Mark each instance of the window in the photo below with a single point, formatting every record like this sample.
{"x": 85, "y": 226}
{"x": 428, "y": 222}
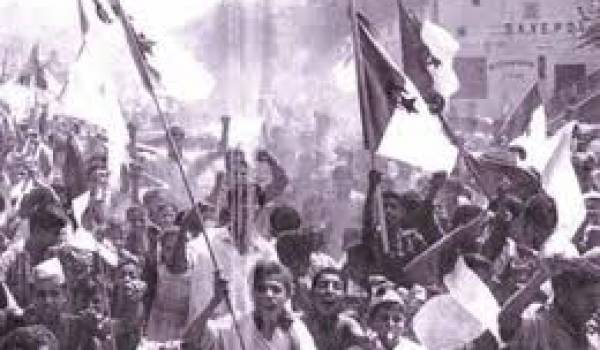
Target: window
{"x": 542, "y": 66}
{"x": 461, "y": 31}
{"x": 531, "y": 10}
{"x": 472, "y": 73}
{"x": 565, "y": 75}
{"x": 476, "y": 2}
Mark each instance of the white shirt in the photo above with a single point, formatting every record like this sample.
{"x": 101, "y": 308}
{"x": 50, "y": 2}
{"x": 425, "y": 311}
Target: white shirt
{"x": 297, "y": 338}
{"x": 234, "y": 267}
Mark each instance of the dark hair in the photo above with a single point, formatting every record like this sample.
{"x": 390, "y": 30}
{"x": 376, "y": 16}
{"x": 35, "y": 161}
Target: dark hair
{"x": 464, "y": 214}
{"x": 178, "y": 262}
{"x": 294, "y": 249}
{"x": 176, "y": 129}
{"x": 330, "y": 271}
{"x": 151, "y": 196}
{"x": 30, "y": 338}
{"x": 284, "y": 218}
{"x": 268, "y": 268}
{"x": 410, "y": 200}
{"x": 132, "y": 212}
{"x": 572, "y": 281}
{"x": 542, "y": 210}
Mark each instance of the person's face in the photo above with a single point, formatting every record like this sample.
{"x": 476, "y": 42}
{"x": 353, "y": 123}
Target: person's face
{"x": 394, "y": 212}
{"x": 169, "y": 244}
{"x": 129, "y": 273}
{"x": 270, "y": 297}
{"x": 100, "y": 177}
{"x": 97, "y": 304}
{"x": 328, "y": 293}
{"x": 137, "y": 222}
{"x": 388, "y": 322}
{"x": 49, "y": 299}
{"x": 166, "y": 215}
{"x": 33, "y": 138}
{"x": 116, "y": 236}
{"x": 152, "y": 208}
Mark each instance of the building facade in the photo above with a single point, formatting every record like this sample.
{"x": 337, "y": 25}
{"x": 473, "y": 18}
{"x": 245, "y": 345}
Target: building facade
{"x": 509, "y": 45}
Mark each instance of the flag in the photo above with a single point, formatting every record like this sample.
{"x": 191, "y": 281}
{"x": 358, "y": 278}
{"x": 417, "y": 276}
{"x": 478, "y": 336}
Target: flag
{"x": 444, "y": 48}
{"x": 532, "y": 139}
{"x": 84, "y": 23}
{"x": 73, "y": 171}
{"x": 399, "y": 119}
{"x": 92, "y": 98}
{"x": 138, "y": 47}
{"x": 101, "y": 13}
{"x": 443, "y": 324}
{"x": 560, "y": 181}
{"x": 383, "y": 85}
{"x": 516, "y": 124}
{"x": 32, "y": 73}
{"x": 427, "y": 57}
{"x": 417, "y": 137}
{"x": 465, "y": 286}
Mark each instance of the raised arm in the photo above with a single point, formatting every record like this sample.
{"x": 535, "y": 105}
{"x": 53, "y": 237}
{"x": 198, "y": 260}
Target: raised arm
{"x": 198, "y": 335}
{"x": 279, "y": 178}
{"x": 510, "y": 316}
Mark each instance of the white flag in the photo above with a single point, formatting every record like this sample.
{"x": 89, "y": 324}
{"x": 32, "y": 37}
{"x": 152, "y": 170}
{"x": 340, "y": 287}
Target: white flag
{"x": 560, "y": 181}
{"x": 418, "y": 138}
{"x": 473, "y": 295}
{"x": 444, "y": 47}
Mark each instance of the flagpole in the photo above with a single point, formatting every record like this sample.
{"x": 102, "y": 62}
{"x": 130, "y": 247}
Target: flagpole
{"x": 367, "y": 127}
{"x": 63, "y": 88}
{"x": 468, "y": 158}
{"x": 142, "y": 70}
{"x": 438, "y": 112}
{"x": 171, "y": 142}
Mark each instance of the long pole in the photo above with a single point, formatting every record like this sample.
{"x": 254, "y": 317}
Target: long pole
{"x": 465, "y": 155}
{"x": 439, "y": 114}
{"x": 142, "y": 70}
{"x": 190, "y": 195}
{"x": 363, "y": 97}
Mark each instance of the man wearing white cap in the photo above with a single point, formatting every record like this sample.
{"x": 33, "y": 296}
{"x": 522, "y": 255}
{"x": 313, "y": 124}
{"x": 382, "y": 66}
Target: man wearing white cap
{"x": 49, "y": 300}
{"x": 49, "y": 309}
{"x": 387, "y": 319}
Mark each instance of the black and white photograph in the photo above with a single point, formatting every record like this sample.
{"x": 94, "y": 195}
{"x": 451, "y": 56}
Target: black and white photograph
{"x": 300, "y": 175}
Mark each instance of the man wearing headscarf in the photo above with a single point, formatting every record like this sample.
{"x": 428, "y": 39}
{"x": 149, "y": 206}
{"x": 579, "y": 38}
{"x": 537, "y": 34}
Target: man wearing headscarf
{"x": 563, "y": 323}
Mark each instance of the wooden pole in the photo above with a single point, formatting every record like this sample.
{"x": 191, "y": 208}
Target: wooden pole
{"x": 142, "y": 70}
{"x": 363, "y": 96}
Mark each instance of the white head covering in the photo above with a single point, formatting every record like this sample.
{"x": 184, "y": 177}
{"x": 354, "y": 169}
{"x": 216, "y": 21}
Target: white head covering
{"x": 49, "y": 270}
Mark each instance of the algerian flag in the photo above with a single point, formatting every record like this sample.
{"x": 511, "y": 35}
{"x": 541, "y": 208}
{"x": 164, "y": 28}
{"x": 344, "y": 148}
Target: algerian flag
{"x": 417, "y": 137}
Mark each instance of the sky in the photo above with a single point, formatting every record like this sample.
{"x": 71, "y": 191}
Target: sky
{"x": 55, "y": 25}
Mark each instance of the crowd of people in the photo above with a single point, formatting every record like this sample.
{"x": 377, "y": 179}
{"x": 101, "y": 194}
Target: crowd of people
{"x": 311, "y": 254}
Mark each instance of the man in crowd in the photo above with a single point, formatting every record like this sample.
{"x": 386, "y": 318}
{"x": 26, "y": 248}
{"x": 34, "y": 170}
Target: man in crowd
{"x": 562, "y": 324}
{"x": 331, "y": 326}
{"x": 269, "y": 326}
